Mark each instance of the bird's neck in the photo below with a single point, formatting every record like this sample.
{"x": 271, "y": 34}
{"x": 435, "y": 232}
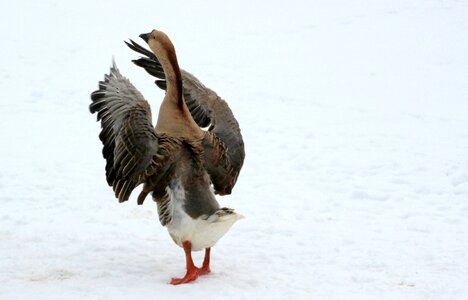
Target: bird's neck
{"x": 174, "y": 116}
{"x": 168, "y": 59}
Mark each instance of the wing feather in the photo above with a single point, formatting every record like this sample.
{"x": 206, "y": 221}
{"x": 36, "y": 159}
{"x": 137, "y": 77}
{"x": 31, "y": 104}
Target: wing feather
{"x": 128, "y": 137}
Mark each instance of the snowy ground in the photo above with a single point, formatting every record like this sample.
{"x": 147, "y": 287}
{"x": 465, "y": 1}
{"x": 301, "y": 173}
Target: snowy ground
{"x": 354, "y": 115}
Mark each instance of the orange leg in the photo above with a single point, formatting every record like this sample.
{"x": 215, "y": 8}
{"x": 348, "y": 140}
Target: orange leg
{"x": 205, "y": 269}
{"x": 192, "y": 271}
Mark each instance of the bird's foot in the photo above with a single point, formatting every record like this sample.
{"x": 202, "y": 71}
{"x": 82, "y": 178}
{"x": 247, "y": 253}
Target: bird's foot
{"x": 192, "y": 271}
{"x": 204, "y": 270}
{"x": 191, "y": 275}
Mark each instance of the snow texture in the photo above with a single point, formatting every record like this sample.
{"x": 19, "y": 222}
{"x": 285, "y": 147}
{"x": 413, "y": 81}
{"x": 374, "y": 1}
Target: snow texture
{"x": 354, "y": 115}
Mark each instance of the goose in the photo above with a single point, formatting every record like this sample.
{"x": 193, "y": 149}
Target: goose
{"x": 182, "y": 164}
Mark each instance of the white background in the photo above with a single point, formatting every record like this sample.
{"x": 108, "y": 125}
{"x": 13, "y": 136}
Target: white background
{"x": 354, "y": 115}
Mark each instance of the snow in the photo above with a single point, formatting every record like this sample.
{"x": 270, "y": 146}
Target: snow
{"x": 354, "y": 117}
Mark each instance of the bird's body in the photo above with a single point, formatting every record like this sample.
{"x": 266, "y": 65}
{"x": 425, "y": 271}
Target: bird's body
{"x": 190, "y": 205}
{"x": 180, "y": 164}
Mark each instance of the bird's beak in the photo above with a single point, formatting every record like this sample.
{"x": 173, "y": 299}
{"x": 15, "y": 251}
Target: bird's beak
{"x": 145, "y": 36}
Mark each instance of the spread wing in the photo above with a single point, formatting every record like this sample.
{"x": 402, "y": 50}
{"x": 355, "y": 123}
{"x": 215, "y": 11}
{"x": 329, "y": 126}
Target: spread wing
{"x": 223, "y": 143}
{"x": 130, "y": 142}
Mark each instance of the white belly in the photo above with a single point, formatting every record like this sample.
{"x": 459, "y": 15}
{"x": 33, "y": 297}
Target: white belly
{"x": 202, "y": 232}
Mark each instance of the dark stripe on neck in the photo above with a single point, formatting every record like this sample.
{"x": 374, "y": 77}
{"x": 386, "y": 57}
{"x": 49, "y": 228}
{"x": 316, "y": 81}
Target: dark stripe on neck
{"x": 178, "y": 76}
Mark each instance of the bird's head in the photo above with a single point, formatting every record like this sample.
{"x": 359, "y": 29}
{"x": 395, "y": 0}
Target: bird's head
{"x": 159, "y": 42}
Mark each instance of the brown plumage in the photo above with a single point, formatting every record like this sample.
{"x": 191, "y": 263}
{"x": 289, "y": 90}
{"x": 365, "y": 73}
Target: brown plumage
{"x": 207, "y": 109}
{"x": 177, "y": 161}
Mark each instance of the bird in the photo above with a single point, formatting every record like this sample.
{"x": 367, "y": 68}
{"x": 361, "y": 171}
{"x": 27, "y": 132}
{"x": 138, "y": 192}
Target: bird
{"x": 194, "y": 152}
